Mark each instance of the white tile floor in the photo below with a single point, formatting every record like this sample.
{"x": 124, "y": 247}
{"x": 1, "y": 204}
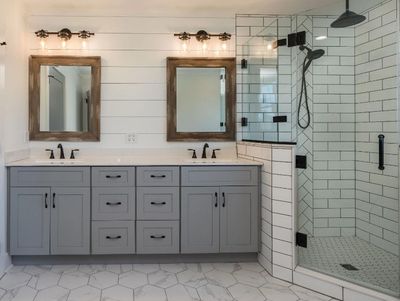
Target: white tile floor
{"x": 149, "y": 282}
{"x": 377, "y": 268}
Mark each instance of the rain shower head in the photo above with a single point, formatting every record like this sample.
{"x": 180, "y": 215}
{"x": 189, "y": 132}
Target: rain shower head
{"x": 348, "y": 18}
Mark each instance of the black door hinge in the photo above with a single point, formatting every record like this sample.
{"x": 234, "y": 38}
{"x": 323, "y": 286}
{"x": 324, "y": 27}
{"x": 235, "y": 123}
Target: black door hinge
{"x": 301, "y": 240}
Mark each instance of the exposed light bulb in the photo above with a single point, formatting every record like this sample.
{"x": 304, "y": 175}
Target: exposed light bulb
{"x": 269, "y": 46}
{"x": 204, "y": 46}
{"x": 84, "y": 44}
{"x": 63, "y": 44}
{"x": 224, "y": 46}
{"x": 184, "y": 45}
{"x": 42, "y": 44}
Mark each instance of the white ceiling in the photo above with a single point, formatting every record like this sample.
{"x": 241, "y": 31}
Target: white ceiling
{"x": 174, "y": 7}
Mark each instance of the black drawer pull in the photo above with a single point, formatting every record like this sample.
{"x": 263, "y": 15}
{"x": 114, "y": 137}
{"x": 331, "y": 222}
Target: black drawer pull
{"x": 54, "y": 200}
{"x": 158, "y": 176}
{"x": 381, "y": 152}
{"x": 114, "y": 237}
{"x": 216, "y": 200}
{"x": 158, "y": 203}
{"x": 157, "y": 236}
{"x": 114, "y": 177}
{"x": 45, "y": 201}
{"x": 114, "y": 204}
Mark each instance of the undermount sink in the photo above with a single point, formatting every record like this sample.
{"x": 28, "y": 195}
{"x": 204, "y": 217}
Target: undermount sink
{"x": 210, "y": 161}
{"x": 58, "y": 161}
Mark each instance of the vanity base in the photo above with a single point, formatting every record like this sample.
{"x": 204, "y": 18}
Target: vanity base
{"x": 129, "y": 259}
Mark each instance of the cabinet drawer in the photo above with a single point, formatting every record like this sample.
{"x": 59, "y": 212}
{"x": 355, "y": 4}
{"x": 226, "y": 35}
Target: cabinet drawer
{"x": 113, "y": 176}
{"x": 158, "y": 176}
{"x": 220, "y": 176}
{"x": 50, "y": 176}
{"x": 158, "y": 203}
{"x": 157, "y": 237}
{"x": 113, "y": 237}
{"x": 113, "y": 203}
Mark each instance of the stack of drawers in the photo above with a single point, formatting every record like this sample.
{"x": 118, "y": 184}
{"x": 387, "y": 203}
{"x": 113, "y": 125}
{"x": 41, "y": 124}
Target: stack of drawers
{"x": 113, "y": 210}
{"x": 158, "y": 210}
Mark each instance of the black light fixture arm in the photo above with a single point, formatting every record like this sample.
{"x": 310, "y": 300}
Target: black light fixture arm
{"x": 3, "y": 43}
{"x": 203, "y": 35}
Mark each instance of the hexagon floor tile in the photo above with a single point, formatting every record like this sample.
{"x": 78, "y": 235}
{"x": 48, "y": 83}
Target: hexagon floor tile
{"x": 149, "y": 282}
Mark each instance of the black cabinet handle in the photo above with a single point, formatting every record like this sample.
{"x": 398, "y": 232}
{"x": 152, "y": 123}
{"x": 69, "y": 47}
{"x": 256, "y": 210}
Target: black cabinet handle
{"x": 54, "y": 200}
{"x": 114, "y": 237}
{"x": 157, "y": 236}
{"x": 158, "y": 177}
{"x": 223, "y": 199}
{"x": 113, "y": 177}
{"x": 45, "y": 201}
{"x": 381, "y": 152}
{"x": 158, "y": 203}
{"x": 216, "y": 200}
{"x": 113, "y": 204}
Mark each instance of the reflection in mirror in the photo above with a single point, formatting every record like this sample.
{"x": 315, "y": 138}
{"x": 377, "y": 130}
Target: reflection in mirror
{"x": 65, "y": 98}
{"x": 200, "y": 103}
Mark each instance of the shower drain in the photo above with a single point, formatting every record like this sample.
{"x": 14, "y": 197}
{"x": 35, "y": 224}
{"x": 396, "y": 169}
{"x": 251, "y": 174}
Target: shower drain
{"x": 349, "y": 267}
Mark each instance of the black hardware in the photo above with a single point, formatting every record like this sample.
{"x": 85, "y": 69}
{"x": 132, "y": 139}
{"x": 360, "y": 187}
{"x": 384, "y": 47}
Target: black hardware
{"x": 45, "y": 201}
{"x": 114, "y": 204}
{"x": 381, "y": 152}
{"x": 194, "y": 156}
{"x": 301, "y": 162}
{"x": 349, "y": 267}
{"x": 3, "y": 43}
{"x": 158, "y": 176}
{"x": 301, "y": 240}
{"x": 223, "y": 199}
{"x": 244, "y": 121}
{"x": 243, "y": 64}
{"x": 278, "y": 43}
{"x": 213, "y": 156}
{"x": 157, "y": 236}
{"x": 73, "y": 153}
{"x": 278, "y": 119}
{"x": 51, "y": 153}
{"x": 296, "y": 39}
{"x": 158, "y": 203}
{"x": 216, "y": 200}
{"x": 62, "y": 156}
{"x": 221, "y": 124}
{"x": 204, "y": 154}
{"x": 54, "y": 200}
{"x": 114, "y": 237}
{"x": 113, "y": 177}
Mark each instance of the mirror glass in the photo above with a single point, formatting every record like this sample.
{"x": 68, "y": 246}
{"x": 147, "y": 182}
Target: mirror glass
{"x": 65, "y": 97}
{"x": 200, "y": 99}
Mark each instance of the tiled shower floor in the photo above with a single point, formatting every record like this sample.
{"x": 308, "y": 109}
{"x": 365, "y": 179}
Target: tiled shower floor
{"x": 376, "y": 266}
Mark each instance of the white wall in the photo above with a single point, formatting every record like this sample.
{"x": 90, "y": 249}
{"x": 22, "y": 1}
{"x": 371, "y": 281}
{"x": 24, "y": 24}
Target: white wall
{"x": 13, "y": 101}
{"x": 134, "y": 52}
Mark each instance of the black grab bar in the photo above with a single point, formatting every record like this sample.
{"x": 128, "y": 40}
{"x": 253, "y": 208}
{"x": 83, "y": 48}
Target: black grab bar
{"x": 381, "y": 151}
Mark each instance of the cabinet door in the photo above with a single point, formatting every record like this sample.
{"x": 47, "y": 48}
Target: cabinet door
{"x": 239, "y": 219}
{"x": 70, "y": 221}
{"x": 200, "y": 220}
{"x": 29, "y": 221}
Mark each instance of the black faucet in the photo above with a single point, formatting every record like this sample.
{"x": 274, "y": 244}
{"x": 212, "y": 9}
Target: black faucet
{"x": 62, "y": 156}
{"x": 204, "y": 154}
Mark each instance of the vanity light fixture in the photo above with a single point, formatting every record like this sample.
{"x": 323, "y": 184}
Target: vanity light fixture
{"x": 65, "y": 35}
{"x": 203, "y": 37}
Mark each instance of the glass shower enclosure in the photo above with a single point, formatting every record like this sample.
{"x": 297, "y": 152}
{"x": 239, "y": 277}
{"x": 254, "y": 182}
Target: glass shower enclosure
{"x": 348, "y": 194}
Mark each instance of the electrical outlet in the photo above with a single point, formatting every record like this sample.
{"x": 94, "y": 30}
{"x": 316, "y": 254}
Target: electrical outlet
{"x": 131, "y": 138}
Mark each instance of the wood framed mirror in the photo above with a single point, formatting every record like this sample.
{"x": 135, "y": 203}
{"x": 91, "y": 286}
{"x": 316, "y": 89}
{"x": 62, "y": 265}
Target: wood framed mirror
{"x": 64, "y": 98}
{"x": 201, "y": 99}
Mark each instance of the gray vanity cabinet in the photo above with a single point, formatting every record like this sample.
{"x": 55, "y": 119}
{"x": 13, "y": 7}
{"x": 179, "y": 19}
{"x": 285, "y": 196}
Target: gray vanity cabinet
{"x": 70, "y": 221}
{"x": 49, "y": 210}
{"x": 30, "y": 221}
{"x": 199, "y": 220}
{"x": 222, "y": 216}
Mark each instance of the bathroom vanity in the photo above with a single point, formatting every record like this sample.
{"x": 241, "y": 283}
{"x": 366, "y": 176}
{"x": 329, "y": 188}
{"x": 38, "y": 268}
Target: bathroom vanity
{"x": 164, "y": 209}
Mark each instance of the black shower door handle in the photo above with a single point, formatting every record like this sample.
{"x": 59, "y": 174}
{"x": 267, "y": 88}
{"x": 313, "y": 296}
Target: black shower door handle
{"x": 381, "y": 152}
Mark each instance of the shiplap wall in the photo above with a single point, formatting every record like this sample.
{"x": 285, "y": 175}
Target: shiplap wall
{"x": 134, "y": 52}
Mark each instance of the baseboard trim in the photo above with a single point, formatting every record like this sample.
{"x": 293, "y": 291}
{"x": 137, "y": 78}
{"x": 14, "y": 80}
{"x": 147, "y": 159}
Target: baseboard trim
{"x": 127, "y": 259}
{"x": 5, "y": 263}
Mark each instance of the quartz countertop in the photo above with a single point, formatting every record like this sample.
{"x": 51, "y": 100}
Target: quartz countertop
{"x": 130, "y": 161}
